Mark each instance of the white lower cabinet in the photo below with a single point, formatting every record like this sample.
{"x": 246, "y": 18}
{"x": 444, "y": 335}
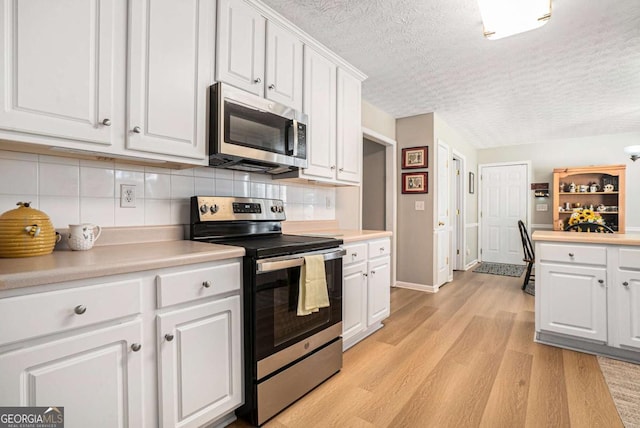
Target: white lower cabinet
{"x": 366, "y": 289}
{"x": 147, "y": 349}
{"x": 200, "y": 362}
{"x": 96, "y": 376}
{"x": 588, "y": 298}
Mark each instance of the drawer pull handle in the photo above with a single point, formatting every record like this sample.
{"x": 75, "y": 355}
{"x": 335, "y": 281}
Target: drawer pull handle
{"x": 80, "y": 309}
{"x": 135, "y": 347}
{"x": 570, "y": 254}
{"x": 381, "y": 249}
{"x": 601, "y": 281}
{"x": 206, "y": 284}
{"x": 354, "y": 254}
{"x": 168, "y": 337}
{"x": 626, "y": 284}
{"x": 373, "y": 272}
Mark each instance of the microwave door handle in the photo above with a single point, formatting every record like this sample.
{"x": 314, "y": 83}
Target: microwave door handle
{"x": 279, "y": 263}
{"x": 294, "y": 123}
{"x": 293, "y": 135}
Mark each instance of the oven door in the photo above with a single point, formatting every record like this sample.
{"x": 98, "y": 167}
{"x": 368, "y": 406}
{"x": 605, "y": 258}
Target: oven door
{"x": 276, "y": 299}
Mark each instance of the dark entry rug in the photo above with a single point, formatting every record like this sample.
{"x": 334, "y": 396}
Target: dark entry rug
{"x": 504, "y": 269}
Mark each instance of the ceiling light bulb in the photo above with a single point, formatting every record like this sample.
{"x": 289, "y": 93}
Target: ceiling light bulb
{"x": 502, "y": 18}
{"x": 633, "y": 152}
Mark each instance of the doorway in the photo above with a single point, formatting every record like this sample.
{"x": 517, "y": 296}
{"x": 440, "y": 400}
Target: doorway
{"x": 458, "y": 209}
{"x": 503, "y": 201}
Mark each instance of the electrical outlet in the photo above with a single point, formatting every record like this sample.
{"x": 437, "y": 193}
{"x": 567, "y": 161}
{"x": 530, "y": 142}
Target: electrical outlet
{"x": 127, "y": 195}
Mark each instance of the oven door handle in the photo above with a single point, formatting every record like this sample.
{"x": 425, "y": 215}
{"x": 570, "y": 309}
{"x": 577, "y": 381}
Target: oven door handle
{"x": 279, "y": 263}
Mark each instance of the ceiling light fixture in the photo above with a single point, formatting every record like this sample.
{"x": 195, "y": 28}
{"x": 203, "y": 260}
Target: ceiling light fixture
{"x": 502, "y": 18}
{"x": 633, "y": 152}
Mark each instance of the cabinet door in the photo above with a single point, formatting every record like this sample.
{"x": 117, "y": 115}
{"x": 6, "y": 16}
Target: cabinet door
{"x": 241, "y": 46}
{"x": 379, "y": 290}
{"x": 283, "y": 67}
{"x": 320, "y": 105}
{"x": 354, "y": 300}
{"x": 574, "y": 300}
{"x": 96, "y": 377}
{"x": 57, "y": 71}
{"x": 627, "y": 291}
{"x": 349, "y": 128}
{"x": 170, "y": 68}
{"x": 200, "y": 363}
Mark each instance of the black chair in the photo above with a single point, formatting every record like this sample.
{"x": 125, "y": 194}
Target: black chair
{"x": 529, "y": 254}
{"x": 589, "y": 227}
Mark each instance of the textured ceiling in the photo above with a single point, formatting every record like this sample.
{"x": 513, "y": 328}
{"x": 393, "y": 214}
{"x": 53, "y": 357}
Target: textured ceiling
{"x": 578, "y": 75}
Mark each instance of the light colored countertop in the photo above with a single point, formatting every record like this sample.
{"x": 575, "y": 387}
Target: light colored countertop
{"x": 348, "y": 236}
{"x": 587, "y": 238}
{"x": 67, "y": 265}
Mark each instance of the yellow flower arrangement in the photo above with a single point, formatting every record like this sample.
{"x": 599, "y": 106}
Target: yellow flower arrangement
{"x": 585, "y": 216}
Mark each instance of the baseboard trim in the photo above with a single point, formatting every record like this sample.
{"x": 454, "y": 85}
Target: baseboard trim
{"x": 417, "y": 287}
{"x": 587, "y": 346}
{"x": 471, "y": 264}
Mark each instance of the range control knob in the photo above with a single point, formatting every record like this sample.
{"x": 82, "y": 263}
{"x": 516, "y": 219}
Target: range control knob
{"x": 214, "y": 209}
{"x": 274, "y": 209}
{"x": 204, "y": 208}
{"x": 280, "y": 209}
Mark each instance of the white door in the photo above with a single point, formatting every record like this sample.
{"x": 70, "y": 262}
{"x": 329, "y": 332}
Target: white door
{"x": 349, "y": 128}
{"x": 57, "y": 69}
{"x": 241, "y": 46}
{"x": 457, "y": 227}
{"x": 320, "y": 105}
{"x": 200, "y": 358}
{"x": 95, "y": 376}
{"x": 379, "y": 289}
{"x": 442, "y": 229}
{"x": 170, "y": 72}
{"x": 503, "y": 201}
{"x": 574, "y": 300}
{"x": 283, "y": 67}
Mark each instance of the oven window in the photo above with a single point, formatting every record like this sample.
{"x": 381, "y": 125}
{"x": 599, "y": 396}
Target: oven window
{"x": 277, "y": 322}
{"x": 256, "y": 129}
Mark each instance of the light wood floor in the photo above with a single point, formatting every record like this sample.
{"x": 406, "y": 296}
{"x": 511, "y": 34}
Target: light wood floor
{"x": 463, "y": 357}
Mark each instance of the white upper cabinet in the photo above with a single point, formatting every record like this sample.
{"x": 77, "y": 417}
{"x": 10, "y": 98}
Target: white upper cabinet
{"x": 170, "y": 68}
{"x": 258, "y": 55}
{"x": 57, "y": 72}
{"x": 241, "y": 46}
{"x": 349, "y": 127}
{"x": 320, "y": 105}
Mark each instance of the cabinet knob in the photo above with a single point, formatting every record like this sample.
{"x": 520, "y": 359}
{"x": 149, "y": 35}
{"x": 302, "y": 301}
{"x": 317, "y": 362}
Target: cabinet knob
{"x": 206, "y": 284}
{"x": 382, "y": 249}
{"x": 257, "y": 80}
{"x": 601, "y": 281}
{"x": 571, "y": 254}
{"x": 440, "y": 223}
{"x": 106, "y": 122}
{"x": 168, "y": 337}
{"x": 272, "y": 86}
{"x": 354, "y": 255}
{"x": 626, "y": 284}
{"x": 135, "y": 347}
{"x": 136, "y": 130}
{"x": 333, "y": 167}
{"x": 341, "y": 169}
{"x": 373, "y": 272}
{"x": 365, "y": 274}
{"x": 80, "y": 309}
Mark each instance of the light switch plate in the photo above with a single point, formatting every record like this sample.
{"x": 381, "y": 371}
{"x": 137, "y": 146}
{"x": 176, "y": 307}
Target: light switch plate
{"x": 419, "y": 206}
{"x": 542, "y": 207}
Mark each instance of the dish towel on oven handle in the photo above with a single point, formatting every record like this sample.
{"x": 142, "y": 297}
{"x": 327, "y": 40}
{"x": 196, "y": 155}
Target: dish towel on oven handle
{"x": 313, "y": 293}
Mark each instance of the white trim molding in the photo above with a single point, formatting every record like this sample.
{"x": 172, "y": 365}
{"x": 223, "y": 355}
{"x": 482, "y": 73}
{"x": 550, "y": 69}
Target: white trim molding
{"x": 417, "y": 287}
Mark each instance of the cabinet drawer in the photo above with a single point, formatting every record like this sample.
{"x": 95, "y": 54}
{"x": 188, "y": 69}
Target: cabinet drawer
{"x": 195, "y": 284}
{"x": 629, "y": 258}
{"x": 562, "y": 253}
{"x": 379, "y": 248}
{"x": 355, "y": 253}
{"x": 56, "y": 311}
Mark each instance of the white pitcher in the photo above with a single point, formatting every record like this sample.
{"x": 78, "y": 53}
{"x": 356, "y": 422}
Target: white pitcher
{"x": 82, "y": 236}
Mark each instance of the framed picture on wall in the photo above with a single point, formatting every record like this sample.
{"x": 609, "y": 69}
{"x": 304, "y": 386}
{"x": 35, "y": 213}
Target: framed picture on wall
{"x": 415, "y": 157}
{"x": 414, "y": 182}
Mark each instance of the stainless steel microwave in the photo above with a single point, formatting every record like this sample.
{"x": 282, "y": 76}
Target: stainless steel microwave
{"x": 251, "y": 133}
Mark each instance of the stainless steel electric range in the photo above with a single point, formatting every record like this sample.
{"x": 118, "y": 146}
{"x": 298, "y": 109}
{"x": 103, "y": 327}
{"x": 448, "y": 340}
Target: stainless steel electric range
{"x": 285, "y": 355}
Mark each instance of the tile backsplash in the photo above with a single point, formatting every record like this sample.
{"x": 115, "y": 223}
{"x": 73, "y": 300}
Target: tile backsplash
{"x": 74, "y": 191}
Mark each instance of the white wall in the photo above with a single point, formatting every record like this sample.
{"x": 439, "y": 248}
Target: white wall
{"x": 598, "y": 150}
{"x": 74, "y": 191}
